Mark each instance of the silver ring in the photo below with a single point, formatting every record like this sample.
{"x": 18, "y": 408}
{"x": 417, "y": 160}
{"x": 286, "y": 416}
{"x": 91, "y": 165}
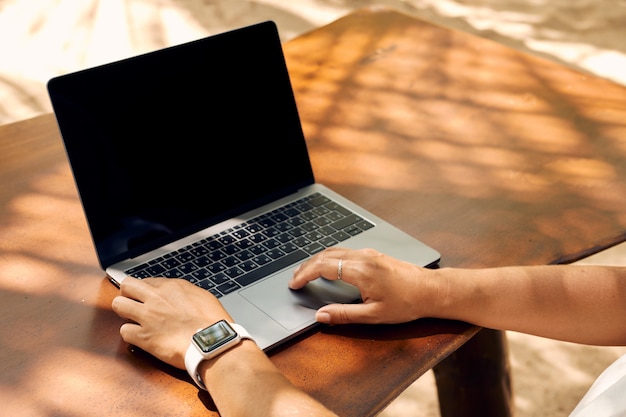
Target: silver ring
{"x": 339, "y": 269}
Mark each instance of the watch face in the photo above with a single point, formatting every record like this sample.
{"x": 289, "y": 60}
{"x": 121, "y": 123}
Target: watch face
{"x": 215, "y": 336}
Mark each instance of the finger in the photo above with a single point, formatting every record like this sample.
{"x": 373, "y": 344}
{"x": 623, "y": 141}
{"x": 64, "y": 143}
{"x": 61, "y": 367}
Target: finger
{"x": 126, "y": 308}
{"x": 133, "y": 288}
{"x": 129, "y": 333}
{"x": 346, "y": 314}
{"x": 327, "y": 264}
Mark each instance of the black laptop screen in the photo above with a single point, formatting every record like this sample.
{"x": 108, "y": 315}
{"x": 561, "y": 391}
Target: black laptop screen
{"x": 170, "y": 142}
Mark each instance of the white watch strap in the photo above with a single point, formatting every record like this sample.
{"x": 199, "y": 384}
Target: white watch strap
{"x": 243, "y": 333}
{"x": 193, "y": 356}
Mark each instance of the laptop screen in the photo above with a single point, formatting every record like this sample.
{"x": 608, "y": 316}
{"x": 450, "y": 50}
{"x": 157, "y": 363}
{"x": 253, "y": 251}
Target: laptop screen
{"x": 167, "y": 143}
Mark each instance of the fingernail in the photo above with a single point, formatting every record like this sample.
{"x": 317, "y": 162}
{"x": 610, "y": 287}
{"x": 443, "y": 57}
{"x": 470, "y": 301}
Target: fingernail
{"x": 322, "y": 317}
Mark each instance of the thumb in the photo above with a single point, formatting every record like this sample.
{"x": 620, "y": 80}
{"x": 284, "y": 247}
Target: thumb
{"x": 342, "y": 314}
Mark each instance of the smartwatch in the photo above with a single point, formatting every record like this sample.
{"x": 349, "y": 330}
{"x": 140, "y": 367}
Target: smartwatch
{"x": 210, "y": 342}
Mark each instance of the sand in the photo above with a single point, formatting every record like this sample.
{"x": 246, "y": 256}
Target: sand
{"x": 44, "y": 38}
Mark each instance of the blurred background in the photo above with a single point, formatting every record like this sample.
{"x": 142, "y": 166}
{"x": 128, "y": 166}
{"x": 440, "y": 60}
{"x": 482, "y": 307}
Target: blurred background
{"x": 44, "y": 38}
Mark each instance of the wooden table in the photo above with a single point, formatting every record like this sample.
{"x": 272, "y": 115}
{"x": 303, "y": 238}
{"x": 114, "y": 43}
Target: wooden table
{"x": 491, "y": 156}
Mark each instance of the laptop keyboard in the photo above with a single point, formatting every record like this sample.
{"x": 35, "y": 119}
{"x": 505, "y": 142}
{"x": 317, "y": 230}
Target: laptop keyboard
{"x": 254, "y": 249}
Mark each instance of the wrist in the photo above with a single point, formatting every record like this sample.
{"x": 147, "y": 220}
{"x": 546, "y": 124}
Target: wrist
{"x": 460, "y": 295}
{"x": 441, "y": 303}
{"x": 210, "y": 343}
{"x": 229, "y": 361}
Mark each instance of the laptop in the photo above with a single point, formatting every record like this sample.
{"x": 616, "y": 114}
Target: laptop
{"x": 191, "y": 163}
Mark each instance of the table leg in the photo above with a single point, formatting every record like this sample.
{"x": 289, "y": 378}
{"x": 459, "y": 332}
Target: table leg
{"x": 475, "y": 380}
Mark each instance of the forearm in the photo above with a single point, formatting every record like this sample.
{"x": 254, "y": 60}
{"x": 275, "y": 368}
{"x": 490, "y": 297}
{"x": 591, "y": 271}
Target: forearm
{"x": 244, "y": 382}
{"x": 581, "y": 304}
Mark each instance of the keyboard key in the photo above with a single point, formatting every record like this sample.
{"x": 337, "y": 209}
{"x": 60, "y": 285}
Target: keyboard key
{"x": 234, "y": 272}
{"x": 206, "y": 284}
{"x": 328, "y": 242}
{"x": 258, "y": 238}
{"x": 244, "y": 244}
{"x": 284, "y": 237}
{"x": 364, "y": 225}
{"x": 310, "y": 216}
{"x": 247, "y": 266}
{"x": 296, "y": 221}
{"x": 275, "y": 253}
{"x": 173, "y": 273}
{"x": 336, "y": 207}
{"x": 261, "y": 259}
{"x": 271, "y": 244}
{"x": 291, "y": 212}
{"x": 170, "y": 263}
{"x": 184, "y": 257}
{"x": 187, "y": 268}
{"x": 140, "y": 274}
{"x": 321, "y": 211}
{"x": 326, "y": 230}
{"x": 352, "y": 230}
{"x": 240, "y": 234}
{"x": 313, "y": 248}
{"x": 280, "y": 217}
{"x": 202, "y": 261}
{"x": 212, "y": 244}
{"x": 259, "y": 249}
{"x": 346, "y": 221}
{"x": 301, "y": 241}
{"x": 271, "y": 267}
{"x": 309, "y": 227}
{"x": 231, "y": 249}
{"x": 244, "y": 255}
{"x": 297, "y": 232}
{"x": 267, "y": 222}
{"x": 201, "y": 274}
{"x": 319, "y": 200}
{"x": 228, "y": 287}
{"x": 199, "y": 251}
{"x": 313, "y": 236}
{"x": 216, "y": 267}
{"x": 155, "y": 270}
{"x": 288, "y": 247}
{"x": 340, "y": 236}
{"x": 271, "y": 232}
{"x": 283, "y": 227}
{"x": 219, "y": 279}
{"x": 334, "y": 216}
{"x": 217, "y": 255}
{"x": 226, "y": 240}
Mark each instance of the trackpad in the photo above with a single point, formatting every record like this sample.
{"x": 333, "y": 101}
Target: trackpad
{"x": 295, "y": 308}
